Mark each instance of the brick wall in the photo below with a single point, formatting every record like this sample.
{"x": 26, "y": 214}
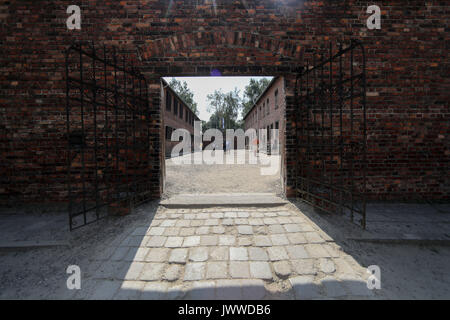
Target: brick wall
{"x": 407, "y": 74}
{"x": 174, "y": 121}
{"x": 265, "y": 113}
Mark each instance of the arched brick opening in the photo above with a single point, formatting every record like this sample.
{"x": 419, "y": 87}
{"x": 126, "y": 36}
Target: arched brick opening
{"x": 232, "y": 53}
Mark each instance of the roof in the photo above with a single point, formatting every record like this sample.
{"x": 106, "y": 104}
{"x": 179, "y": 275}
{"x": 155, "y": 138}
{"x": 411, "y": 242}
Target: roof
{"x": 166, "y": 85}
{"x": 260, "y": 96}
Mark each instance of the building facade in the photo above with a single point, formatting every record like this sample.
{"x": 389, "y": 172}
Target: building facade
{"x": 176, "y": 115}
{"x": 408, "y": 119}
{"x": 268, "y": 113}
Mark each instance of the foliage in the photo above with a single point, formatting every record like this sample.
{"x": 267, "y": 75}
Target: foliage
{"x": 252, "y": 91}
{"x": 181, "y": 88}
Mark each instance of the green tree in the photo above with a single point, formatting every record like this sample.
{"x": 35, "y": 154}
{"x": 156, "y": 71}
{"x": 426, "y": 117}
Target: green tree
{"x": 181, "y": 88}
{"x": 252, "y": 91}
{"x": 225, "y": 109}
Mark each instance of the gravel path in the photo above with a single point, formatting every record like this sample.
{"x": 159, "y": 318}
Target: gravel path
{"x": 219, "y": 178}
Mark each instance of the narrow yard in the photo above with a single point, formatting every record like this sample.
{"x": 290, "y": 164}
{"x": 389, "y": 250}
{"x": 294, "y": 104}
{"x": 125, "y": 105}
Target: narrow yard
{"x": 219, "y": 178}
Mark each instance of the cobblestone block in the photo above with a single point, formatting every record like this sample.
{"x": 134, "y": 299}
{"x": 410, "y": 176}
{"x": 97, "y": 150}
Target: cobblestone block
{"x": 296, "y": 238}
{"x": 260, "y": 270}
{"x": 216, "y": 270}
{"x": 191, "y": 241}
{"x": 156, "y": 241}
{"x": 304, "y": 267}
{"x": 209, "y": 240}
{"x": 239, "y": 269}
{"x": 282, "y": 269}
{"x": 172, "y": 272}
{"x": 276, "y": 228}
{"x": 313, "y": 237}
{"x": 257, "y": 254}
{"x": 317, "y": 251}
{"x": 297, "y": 252}
{"x": 279, "y": 239}
{"x": 174, "y": 242}
{"x": 238, "y": 253}
{"x": 185, "y": 232}
{"x": 277, "y": 253}
{"x": 157, "y": 255}
{"x": 198, "y": 254}
{"x": 218, "y": 253}
{"x": 172, "y": 231}
{"x": 168, "y": 223}
{"x": 156, "y": 231}
{"x": 218, "y": 230}
{"x": 327, "y": 265}
{"x": 152, "y": 271}
{"x": 244, "y": 241}
{"x": 262, "y": 241}
{"x": 194, "y": 271}
{"x": 227, "y": 240}
{"x": 245, "y": 230}
{"x": 178, "y": 255}
{"x": 292, "y": 227}
{"x": 211, "y": 222}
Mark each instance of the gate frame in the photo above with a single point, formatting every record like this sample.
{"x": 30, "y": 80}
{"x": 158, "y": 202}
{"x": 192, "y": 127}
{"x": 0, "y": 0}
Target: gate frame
{"x": 303, "y": 181}
{"x": 79, "y": 144}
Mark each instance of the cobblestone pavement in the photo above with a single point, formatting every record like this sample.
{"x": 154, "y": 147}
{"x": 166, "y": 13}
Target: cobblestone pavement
{"x": 225, "y": 253}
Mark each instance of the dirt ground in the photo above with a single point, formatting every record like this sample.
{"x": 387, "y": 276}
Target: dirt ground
{"x": 219, "y": 178}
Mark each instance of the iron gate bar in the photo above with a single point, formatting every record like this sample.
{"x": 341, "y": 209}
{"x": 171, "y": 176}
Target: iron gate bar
{"x": 316, "y": 183}
{"x": 98, "y": 139}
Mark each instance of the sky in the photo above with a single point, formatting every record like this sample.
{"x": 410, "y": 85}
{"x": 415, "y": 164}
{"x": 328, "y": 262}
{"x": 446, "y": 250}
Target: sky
{"x": 202, "y": 86}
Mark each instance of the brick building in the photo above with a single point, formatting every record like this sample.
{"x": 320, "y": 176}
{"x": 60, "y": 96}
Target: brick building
{"x": 408, "y": 119}
{"x": 176, "y": 115}
{"x": 268, "y": 113}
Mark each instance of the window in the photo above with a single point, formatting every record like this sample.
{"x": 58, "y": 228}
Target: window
{"x": 276, "y": 99}
{"x": 186, "y": 118}
{"x": 259, "y": 112}
{"x": 168, "y": 132}
{"x": 268, "y": 106}
{"x": 277, "y": 125}
{"x": 168, "y": 101}
{"x": 264, "y": 110}
{"x": 175, "y": 106}
{"x": 181, "y": 111}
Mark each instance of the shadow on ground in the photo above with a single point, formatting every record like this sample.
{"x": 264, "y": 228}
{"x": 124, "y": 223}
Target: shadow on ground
{"x": 411, "y": 267}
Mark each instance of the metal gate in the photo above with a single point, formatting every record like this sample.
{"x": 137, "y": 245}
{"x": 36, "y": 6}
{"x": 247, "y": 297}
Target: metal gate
{"x": 331, "y": 131}
{"x": 107, "y": 114}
